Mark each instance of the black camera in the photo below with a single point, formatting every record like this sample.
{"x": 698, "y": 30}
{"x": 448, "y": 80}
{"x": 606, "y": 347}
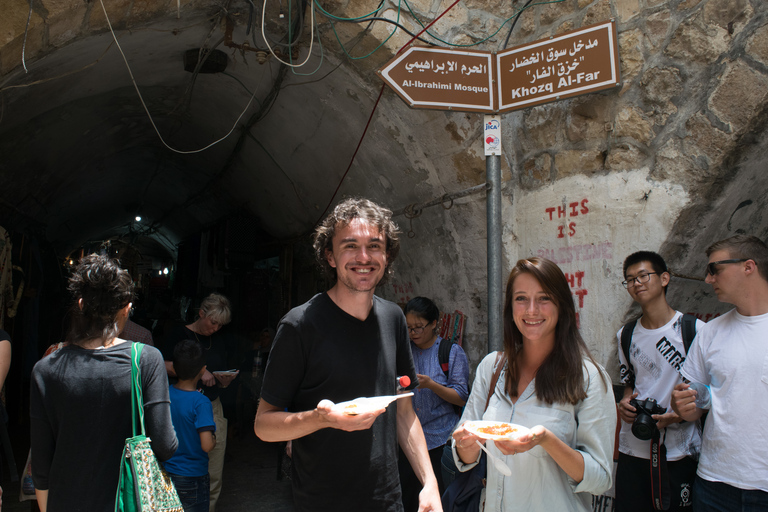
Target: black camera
{"x": 644, "y": 425}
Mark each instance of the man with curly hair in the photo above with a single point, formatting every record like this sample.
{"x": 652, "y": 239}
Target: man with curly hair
{"x": 340, "y": 345}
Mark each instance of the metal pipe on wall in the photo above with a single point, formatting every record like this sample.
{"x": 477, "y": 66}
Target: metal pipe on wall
{"x": 493, "y": 209}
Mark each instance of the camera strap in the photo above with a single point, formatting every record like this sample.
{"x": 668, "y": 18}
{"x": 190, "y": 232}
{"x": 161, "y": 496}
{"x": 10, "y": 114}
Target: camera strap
{"x": 659, "y": 473}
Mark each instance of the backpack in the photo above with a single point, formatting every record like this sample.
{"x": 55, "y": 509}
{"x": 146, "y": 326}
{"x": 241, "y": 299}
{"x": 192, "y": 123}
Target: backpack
{"x": 443, "y": 358}
{"x": 688, "y": 332}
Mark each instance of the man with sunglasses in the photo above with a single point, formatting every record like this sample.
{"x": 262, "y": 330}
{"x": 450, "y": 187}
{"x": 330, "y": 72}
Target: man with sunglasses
{"x": 656, "y": 350}
{"x": 730, "y": 355}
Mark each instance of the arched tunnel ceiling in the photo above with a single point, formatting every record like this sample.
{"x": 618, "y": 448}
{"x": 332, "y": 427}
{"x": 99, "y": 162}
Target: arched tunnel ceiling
{"x": 80, "y": 157}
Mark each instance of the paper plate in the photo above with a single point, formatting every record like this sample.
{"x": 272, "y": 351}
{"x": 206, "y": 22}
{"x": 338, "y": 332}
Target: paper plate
{"x": 367, "y": 404}
{"x": 495, "y": 430}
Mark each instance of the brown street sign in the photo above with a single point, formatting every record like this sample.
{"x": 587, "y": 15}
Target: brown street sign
{"x": 577, "y": 62}
{"x": 443, "y": 79}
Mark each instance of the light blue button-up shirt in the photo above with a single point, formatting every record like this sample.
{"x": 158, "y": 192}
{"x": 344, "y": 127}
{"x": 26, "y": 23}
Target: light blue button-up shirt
{"x": 537, "y": 482}
{"x": 438, "y": 417}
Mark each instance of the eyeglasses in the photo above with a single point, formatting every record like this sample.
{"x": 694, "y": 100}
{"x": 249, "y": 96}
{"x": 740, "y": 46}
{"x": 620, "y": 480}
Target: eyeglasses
{"x": 417, "y": 330}
{"x": 712, "y": 269}
{"x": 642, "y": 278}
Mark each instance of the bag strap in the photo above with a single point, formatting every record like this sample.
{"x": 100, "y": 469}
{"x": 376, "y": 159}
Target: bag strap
{"x": 444, "y": 355}
{"x": 688, "y": 330}
{"x": 626, "y": 341}
{"x": 501, "y": 358}
{"x": 137, "y": 397}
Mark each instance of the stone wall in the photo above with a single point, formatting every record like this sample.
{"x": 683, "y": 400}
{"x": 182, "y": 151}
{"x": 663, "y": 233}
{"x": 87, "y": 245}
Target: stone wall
{"x": 670, "y": 160}
{"x": 597, "y": 177}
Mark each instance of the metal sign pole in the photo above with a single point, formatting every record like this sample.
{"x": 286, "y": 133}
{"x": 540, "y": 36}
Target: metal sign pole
{"x": 492, "y": 141}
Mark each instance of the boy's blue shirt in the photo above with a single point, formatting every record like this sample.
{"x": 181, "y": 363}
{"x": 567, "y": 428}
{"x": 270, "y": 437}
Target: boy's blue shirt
{"x": 191, "y": 413}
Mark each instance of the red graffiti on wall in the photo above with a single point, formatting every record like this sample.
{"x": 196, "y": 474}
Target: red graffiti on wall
{"x": 403, "y": 290}
{"x": 578, "y": 289}
{"x": 567, "y": 211}
{"x": 705, "y": 317}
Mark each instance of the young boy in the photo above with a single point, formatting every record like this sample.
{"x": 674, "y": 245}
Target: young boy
{"x": 192, "y": 416}
{"x": 656, "y": 353}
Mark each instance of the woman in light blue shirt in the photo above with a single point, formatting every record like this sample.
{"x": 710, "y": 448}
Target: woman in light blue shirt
{"x": 552, "y": 385}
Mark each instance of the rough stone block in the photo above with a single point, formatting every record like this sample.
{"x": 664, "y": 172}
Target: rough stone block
{"x": 458, "y": 16}
{"x": 11, "y": 50}
{"x": 757, "y": 45}
{"x": 14, "y": 20}
{"x": 146, "y": 9}
{"x": 66, "y": 26}
{"x": 687, "y": 4}
{"x": 565, "y": 27}
{"x": 631, "y": 54}
{"x": 661, "y": 85}
{"x": 630, "y": 122}
{"x": 695, "y": 42}
{"x": 704, "y": 139}
{"x": 550, "y": 13}
{"x": 598, "y": 12}
{"x": 568, "y": 163}
{"x": 626, "y": 9}
{"x": 729, "y": 14}
{"x": 117, "y": 10}
{"x": 583, "y": 3}
{"x": 656, "y": 27}
{"x": 741, "y": 93}
{"x": 537, "y": 170}
{"x": 624, "y": 157}
{"x": 542, "y": 125}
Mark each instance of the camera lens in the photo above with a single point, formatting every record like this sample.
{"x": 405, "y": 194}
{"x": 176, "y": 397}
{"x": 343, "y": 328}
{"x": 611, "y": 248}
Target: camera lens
{"x": 644, "y": 427}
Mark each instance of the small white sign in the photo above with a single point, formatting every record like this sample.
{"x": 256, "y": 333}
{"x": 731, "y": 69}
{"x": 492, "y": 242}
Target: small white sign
{"x": 492, "y": 135}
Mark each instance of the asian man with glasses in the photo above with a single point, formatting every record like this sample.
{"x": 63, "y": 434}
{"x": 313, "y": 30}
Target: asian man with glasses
{"x": 650, "y": 355}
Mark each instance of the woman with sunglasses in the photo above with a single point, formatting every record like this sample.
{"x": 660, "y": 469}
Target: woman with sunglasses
{"x": 438, "y": 395}
{"x": 550, "y": 384}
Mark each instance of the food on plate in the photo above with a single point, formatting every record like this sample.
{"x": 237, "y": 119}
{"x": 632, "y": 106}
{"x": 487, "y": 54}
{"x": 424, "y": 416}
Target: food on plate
{"x": 501, "y": 429}
{"x": 495, "y": 430}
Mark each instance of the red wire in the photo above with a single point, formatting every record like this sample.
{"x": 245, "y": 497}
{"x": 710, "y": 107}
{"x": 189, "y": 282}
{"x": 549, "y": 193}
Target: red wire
{"x": 375, "y": 105}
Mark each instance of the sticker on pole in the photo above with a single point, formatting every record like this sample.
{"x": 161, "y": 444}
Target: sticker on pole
{"x": 492, "y": 135}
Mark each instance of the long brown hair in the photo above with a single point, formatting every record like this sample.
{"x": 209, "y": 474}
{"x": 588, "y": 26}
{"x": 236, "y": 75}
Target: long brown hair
{"x": 560, "y": 378}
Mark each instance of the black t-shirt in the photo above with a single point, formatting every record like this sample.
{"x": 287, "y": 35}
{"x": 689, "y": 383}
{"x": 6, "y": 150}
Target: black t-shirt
{"x": 214, "y": 349}
{"x": 321, "y": 352}
{"x": 80, "y": 411}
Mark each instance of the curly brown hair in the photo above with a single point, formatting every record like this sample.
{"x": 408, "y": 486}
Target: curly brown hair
{"x": 341, "y": 216}
{"x": 100, "y": 289}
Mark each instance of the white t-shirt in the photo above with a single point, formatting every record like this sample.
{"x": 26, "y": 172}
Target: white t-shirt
{"x": 656, "y": 356}
{"x": 731, "y": 355}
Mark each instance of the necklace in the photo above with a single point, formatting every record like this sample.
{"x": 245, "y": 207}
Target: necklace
{"x": 210, "y": 340}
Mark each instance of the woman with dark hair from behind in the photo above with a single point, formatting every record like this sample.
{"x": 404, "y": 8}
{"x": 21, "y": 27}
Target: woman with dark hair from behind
{"x": 436, "y": 395}
{"x": 80, "y": 398}
{"x": 550, "y": 384}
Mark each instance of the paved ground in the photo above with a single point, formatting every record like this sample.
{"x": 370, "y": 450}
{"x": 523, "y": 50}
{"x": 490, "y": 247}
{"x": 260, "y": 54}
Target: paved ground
{"x": 250, "y": 480}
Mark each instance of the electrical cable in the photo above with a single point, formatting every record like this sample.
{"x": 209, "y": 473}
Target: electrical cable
{"x": 293, "y": 41}
{"x": 373, "y": 111}
{"x": 512, "y": 27}
{"x": 482, "y": 40}
{"x": 311, "y": 40}
{"x": 322, "y": 57}
{"x": 24, "y": 44}
{"x": 337, "y": 18}
{"x": 398, "y": 25}
{"x": 146, "y": 109}
{"x": 375, "y": 49}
